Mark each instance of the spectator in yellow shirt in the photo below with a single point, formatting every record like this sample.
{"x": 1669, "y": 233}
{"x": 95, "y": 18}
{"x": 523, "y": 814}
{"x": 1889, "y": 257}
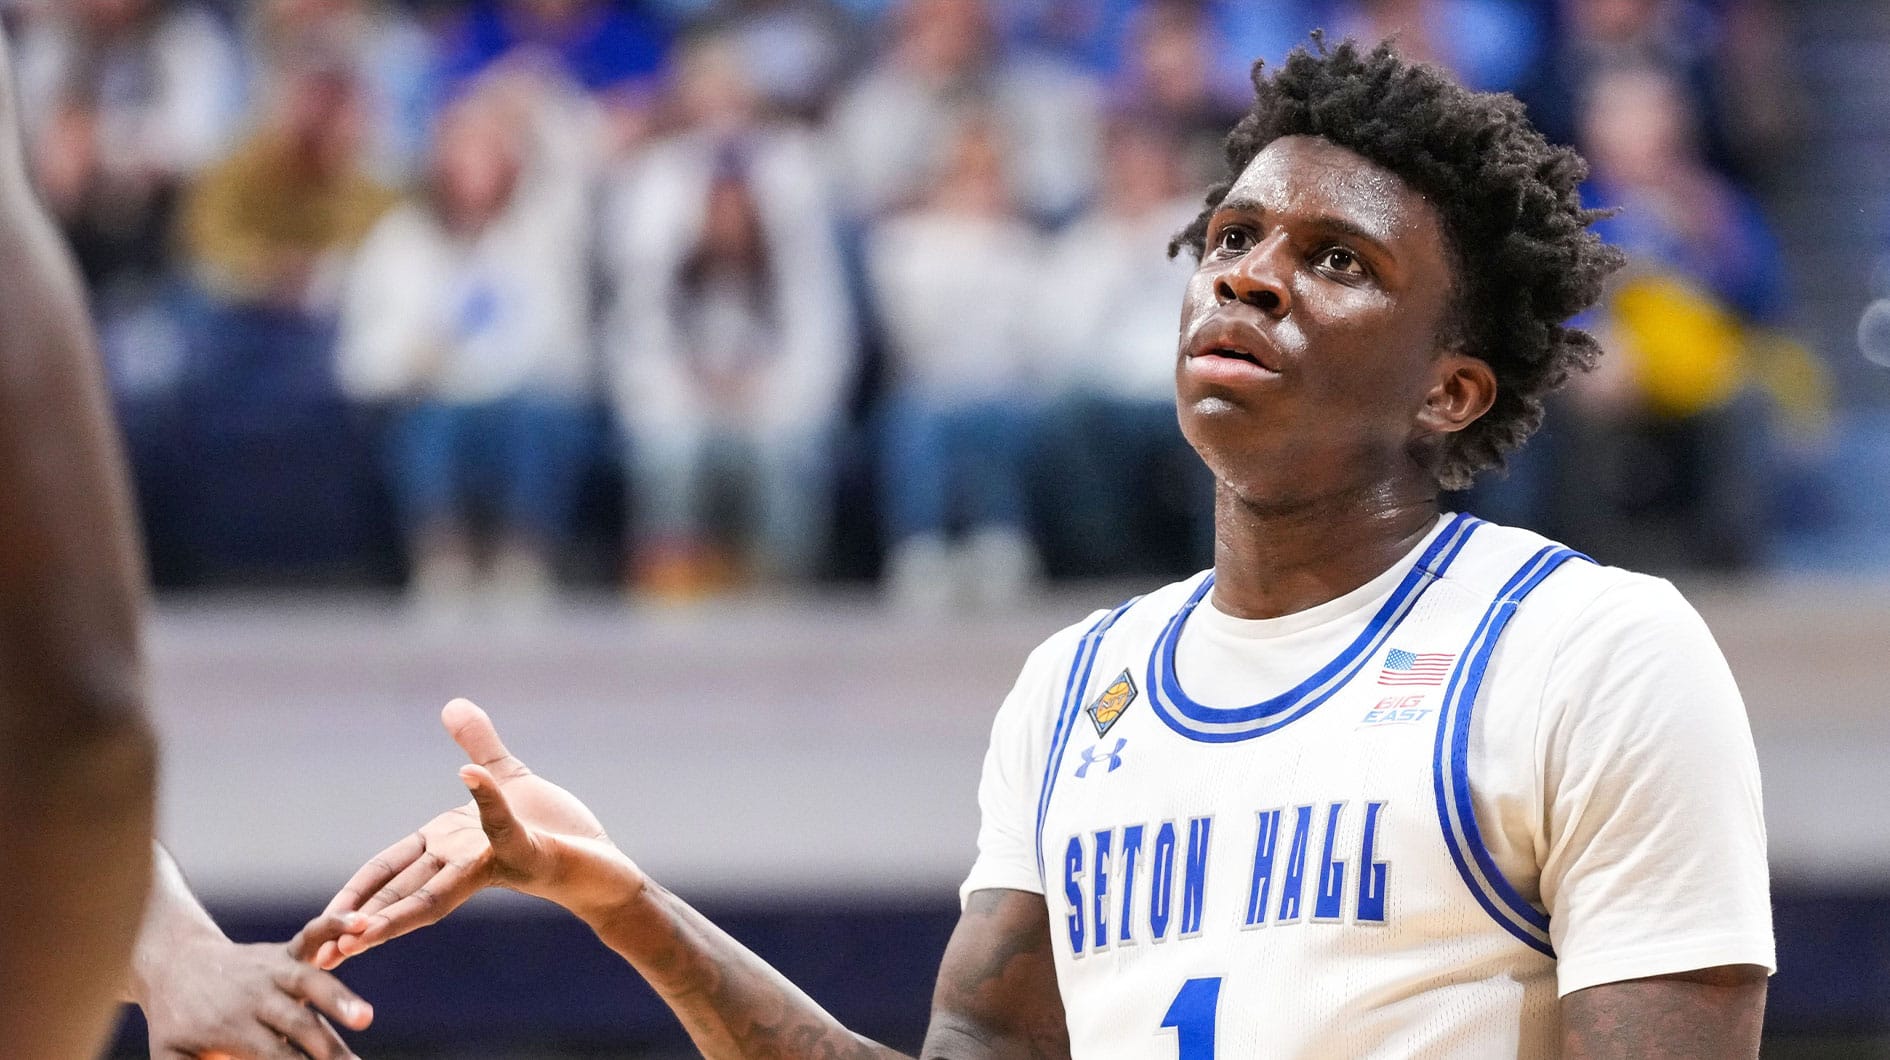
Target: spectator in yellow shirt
{"x": 273, "y": 222}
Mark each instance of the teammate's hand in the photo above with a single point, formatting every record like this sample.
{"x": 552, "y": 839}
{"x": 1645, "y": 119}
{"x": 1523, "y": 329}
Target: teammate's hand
{"x": 214, "y": 998}
{"x": 520, "y": 832}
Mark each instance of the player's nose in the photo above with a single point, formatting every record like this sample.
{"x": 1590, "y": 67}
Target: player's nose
{"x": 1261, "y": 278}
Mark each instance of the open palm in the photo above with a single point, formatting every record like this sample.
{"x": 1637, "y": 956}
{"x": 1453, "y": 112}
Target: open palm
{"x": 521, "y": 832}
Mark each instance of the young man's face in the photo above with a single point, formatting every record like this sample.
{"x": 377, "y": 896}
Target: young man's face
{"x": 1311, "y": 332}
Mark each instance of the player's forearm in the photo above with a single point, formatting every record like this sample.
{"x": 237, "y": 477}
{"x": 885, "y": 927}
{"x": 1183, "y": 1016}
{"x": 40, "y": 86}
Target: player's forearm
{"x": 78, "y": 769}
{"x": 71, "y": 576}
{"x": 77, "y": 761}
{"x": 77, "y": 776}
{"x": 733, "y": 1004}
{"x": 77, "y": 852}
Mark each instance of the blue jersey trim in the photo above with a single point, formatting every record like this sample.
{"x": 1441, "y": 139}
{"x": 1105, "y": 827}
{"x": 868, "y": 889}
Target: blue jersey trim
{"x": 1207, "y": 724}
{"x": 1451, "y": 775}
{"x": 1068, "y": 711}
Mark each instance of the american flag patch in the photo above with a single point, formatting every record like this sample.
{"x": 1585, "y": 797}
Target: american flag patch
{"x": 1410, "y": 668}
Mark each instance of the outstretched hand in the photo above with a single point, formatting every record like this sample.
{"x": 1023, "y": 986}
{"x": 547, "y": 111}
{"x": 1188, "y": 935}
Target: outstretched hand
{"x": 214, "y": 998}
{"x": 520, "y": 832}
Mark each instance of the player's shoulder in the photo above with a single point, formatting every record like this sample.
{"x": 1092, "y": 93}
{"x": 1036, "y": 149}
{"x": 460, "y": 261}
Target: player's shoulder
{"x": 1576, "y": 594}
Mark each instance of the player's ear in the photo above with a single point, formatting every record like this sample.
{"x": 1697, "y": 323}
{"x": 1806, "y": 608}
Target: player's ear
{"x": 1462, "y": 389}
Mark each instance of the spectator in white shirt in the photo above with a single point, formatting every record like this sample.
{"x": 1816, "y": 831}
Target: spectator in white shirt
{"x": 466, "y": 309}
{"x": 952, "y": 282}
{"x": 1117, "y": 472}
{"x": 731, "y": 339}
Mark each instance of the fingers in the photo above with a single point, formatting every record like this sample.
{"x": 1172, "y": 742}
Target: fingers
{"x": 446, "y": 891}
{"x": 414, "y": 879}
{"x": 411, "y": 878}
{"x": 511, "y": 842}
{"x": 304, "y": 1030}
{"x": 259, "y": 1041}
{"x": 474, "y": 733}
{"x": 360, "y": 889}
{"x": 329, "y": 956}
{"x": 265, "y": 1046}
{"x": 326, "y": 993}
{"x": 321, "y": 932}
{"x": 429, "y": 888}
{"x": 374, "y": 875}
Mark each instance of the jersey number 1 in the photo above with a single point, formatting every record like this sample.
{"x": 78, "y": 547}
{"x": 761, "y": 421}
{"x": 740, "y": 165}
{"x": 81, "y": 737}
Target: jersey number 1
{"x": 1192, "y": 1017}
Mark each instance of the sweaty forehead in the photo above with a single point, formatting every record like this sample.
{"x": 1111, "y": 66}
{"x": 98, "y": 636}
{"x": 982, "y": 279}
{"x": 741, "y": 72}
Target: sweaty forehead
{"x": 1308, "y": 176}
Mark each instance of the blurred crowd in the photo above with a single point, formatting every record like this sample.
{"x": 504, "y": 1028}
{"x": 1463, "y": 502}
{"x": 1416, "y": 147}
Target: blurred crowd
{"x": 495, "y": 295}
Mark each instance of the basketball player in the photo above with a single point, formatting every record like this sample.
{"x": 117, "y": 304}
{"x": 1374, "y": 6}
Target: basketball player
{"x": 77, "y": 760}
{"x": 1386, "y": 782}
{"x": 206, "y": 996}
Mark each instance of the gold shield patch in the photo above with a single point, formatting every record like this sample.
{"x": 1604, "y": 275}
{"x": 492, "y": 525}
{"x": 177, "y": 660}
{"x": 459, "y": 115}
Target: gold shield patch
{"x": 1114, "y": 700}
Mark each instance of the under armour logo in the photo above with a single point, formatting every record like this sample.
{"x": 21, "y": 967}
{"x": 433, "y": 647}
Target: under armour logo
{"x": 1113, "y": 757}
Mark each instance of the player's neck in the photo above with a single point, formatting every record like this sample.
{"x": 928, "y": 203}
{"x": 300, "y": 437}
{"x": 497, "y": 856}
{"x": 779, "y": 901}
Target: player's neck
{"x": 1270, "y": 562}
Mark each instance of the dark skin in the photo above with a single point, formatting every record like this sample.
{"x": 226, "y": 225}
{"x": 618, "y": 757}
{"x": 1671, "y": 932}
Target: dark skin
{"x": 996, "y": 995}
{"x": 77, "y": 760}
{"x": 207, "y": 997}
{"x": 1318, "y": 376}
{"x": 1333, "y": 274}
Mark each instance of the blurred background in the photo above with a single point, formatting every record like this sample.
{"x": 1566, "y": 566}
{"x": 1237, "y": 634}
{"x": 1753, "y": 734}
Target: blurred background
{"x": 728, "y": 393}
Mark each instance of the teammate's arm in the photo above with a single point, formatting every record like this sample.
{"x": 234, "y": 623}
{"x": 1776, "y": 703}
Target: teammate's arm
{"x": 996, "y": 995}
{"x": 203, "y": 994}
{"x": 1709, "y": 1014}
{"x": 77, "y": 760}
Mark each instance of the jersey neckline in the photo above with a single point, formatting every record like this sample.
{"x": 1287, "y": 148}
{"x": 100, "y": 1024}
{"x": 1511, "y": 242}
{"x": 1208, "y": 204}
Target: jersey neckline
{"x": 1208, "y": 617}
{"x": 1220, "y": 724}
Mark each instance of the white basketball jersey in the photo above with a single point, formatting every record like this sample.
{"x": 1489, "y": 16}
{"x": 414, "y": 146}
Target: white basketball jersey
{"x": 1301, "y": 876}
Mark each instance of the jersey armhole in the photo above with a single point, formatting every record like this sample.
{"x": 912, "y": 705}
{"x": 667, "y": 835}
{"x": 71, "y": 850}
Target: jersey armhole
{"x": 1539, "y": 803}
{"x": 1456, "y": 810}
{"x": 1069, "y": 706}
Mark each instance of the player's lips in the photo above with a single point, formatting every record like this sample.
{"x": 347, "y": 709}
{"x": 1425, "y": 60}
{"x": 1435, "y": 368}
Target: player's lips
{"x": 1229, "y": 347}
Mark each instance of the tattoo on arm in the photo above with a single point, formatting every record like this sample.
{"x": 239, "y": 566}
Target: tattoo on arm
{"x": 731, "y": 1002}
{"x": 1710, "y": 1014}
{"x": 997, "y": 988}
{"x": 996, "y": 997}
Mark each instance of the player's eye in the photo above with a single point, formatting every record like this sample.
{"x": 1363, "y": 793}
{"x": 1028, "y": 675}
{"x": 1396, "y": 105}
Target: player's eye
{"x": 1340, "y": 260}
{"x": 1234, "y": 239}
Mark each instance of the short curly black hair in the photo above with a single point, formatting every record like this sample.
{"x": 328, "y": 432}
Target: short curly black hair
{"x": 1526, "y": 259}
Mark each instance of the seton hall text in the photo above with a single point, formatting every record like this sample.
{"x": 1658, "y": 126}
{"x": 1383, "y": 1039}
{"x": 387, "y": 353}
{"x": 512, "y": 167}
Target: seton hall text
{"x": 1137, "y": 883}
